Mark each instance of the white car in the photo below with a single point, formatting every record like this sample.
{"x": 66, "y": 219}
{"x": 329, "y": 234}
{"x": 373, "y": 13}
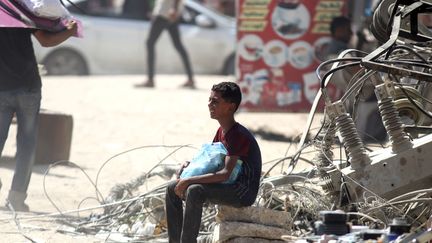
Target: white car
{"x": 115, "y": 42}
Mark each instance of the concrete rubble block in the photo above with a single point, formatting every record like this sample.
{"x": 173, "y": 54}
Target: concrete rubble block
{"x": 228, "y": 230}
{"x": 252, "y": 214}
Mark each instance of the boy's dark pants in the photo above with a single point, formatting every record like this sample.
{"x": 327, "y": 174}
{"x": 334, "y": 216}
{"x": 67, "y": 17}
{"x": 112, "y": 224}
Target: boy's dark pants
{"x": 183, "y": 226}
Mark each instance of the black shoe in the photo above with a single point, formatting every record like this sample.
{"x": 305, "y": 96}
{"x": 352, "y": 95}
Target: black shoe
{"x": 189, "y": 85}
{"x": 148, "y": 84}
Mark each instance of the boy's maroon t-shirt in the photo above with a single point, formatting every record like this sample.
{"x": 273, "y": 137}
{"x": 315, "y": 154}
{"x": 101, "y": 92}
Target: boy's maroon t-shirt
{"x": 240, "y": 142}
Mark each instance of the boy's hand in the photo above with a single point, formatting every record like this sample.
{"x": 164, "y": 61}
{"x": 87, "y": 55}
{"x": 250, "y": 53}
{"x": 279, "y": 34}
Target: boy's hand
{"x": 180, "y": 188}
{"x": 184, "y": 165}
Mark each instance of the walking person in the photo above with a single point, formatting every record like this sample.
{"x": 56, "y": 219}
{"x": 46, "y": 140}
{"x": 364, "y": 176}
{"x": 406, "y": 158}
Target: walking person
{"x": 193, "y": 192}
{"x": 20, "y": 94}
{"x": 166, "y": 15}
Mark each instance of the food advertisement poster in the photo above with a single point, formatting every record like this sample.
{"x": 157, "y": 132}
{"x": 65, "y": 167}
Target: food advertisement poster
{"x": 279, "y": 43}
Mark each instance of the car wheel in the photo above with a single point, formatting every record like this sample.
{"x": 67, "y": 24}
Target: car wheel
{"x": 229, "y": 67}
{"x": 65, "y": 62}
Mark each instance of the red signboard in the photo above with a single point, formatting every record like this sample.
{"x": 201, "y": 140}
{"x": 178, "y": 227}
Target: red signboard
{"x": 279, "y": 43}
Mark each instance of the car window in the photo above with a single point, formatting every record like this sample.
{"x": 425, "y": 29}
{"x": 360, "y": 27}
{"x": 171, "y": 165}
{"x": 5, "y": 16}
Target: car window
{"x": 129, "y": 9}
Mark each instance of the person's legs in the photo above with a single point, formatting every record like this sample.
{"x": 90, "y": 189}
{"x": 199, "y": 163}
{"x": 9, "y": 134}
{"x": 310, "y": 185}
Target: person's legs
{"x": 6, "y": 114}
{"x": 175, "y": 37}
{"x": 174, "y": 213}
{"x": 157, "y": 26}
{"x": 28, "y": 105}
{"x": 195, "y": 197}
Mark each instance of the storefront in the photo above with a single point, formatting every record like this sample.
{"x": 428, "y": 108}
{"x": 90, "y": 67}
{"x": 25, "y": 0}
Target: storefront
{"x": 279, "y": 47}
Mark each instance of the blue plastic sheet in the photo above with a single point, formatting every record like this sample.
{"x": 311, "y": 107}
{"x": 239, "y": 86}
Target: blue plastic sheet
{"x": 235, "y": 172}
{"x": 209, "y": 159}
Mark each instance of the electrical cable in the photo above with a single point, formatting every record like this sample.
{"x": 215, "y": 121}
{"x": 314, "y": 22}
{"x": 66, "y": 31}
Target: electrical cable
{"x": 133, "y": 149}
{"x": 356, "y": 85}
{"x": 339, "y": 67}
{"x": 367, "y": 216}
{"x": 69, "y": 164}
{"x": 18, "y": 224}
{"x": 280, "y": 161}
{"x": 340, "y": 58}
{"x": 315, "y": 105}
{"x": 396, "y": 47}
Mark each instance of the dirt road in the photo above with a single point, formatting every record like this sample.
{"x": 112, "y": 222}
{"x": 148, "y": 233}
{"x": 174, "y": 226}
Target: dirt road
{"x": 132, "y": 128}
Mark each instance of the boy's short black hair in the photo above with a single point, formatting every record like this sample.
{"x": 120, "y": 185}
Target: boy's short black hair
{"x": 337, "y": 22}
{"x": 229, "y": 91}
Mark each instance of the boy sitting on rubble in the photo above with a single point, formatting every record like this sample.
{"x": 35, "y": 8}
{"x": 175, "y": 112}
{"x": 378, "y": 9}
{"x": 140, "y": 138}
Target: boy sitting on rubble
{"x": 184, "y": 226}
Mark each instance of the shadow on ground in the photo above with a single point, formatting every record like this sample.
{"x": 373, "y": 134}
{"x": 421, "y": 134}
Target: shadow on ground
{"x": 267, "y": 134}
{"x": 8, "y": 162}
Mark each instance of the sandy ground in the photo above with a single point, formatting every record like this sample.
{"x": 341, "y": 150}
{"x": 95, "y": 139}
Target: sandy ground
{"x": 133, "y": 129}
